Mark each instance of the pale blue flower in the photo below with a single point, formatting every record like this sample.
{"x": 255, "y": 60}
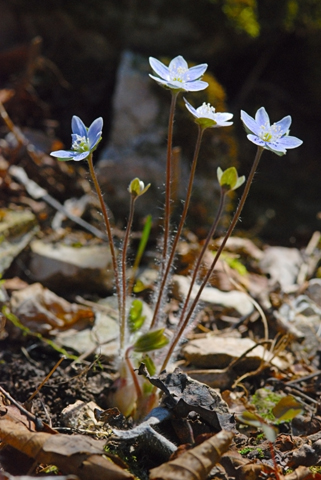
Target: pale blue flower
{"x": 271, "y": 137}
{"x": 206, "y": 116}
{"x": 177, "y": 76}
{"x": 84, "y": 140}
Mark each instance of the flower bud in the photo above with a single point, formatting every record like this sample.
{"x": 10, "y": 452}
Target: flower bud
{"x": 137, "y": 188}
{"x": 229, "y": 179}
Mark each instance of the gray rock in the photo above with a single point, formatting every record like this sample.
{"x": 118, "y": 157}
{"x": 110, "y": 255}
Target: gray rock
{"x": 62, "y": 267}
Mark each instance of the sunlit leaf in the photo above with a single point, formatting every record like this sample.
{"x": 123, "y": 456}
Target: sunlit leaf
{"x": 287, "y": 408}
{"x": 136, "y": 319}
{"x": 153, "y": 340}
{"x": 250, "y": 418}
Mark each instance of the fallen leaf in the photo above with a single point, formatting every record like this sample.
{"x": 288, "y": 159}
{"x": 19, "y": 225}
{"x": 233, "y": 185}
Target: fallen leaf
{"x": 195, "y": 464}
{"x": 42, "y": 310}
{"x": 77, "y": 454}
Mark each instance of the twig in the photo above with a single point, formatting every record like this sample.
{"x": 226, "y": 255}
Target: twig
{"x": 37, "y": 421}
{"x": 37, "y": 192}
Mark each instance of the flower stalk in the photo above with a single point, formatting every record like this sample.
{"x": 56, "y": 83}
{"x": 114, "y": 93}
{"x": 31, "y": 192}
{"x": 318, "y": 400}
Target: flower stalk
{"x": 169, "y": 262}
{"x": 184, "y": 321}
{"x": 168, "y": 184}
{"x": 108, "y": 227}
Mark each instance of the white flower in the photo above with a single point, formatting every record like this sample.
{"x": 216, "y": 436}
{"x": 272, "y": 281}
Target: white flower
{"x": 177, "y": 76}
{"x": 271, "y": 137}
{"x": 206, "y": 116}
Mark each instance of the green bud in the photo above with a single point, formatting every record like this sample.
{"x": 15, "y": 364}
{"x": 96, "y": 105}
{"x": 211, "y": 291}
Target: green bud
{"x": 137, "y": 188}
{"x": 136, "y": 319}
{"x": 229, "y": 179}
{"x": 205, "y": 122}
{"x": 153, "y": 340}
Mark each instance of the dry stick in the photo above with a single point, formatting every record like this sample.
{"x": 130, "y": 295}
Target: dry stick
{"x": 108, "y": 228}
{"x": 37, "y": 421}
{"x": 123, "y": 275}
{"x": 180, "y": 227}
{"x": 46, "y": 379}
{"x": 236, "y": 216}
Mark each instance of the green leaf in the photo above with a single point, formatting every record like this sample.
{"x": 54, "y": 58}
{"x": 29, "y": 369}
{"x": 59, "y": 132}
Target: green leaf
{"x": 143, "y": 241}
{"x": 136, "y": 319}
{"x": 149, "y": 341}
{"x": 139, "y": 286}
{"x": 150, "y": 365}
{"x": 287, "y": 408}
{"x": 250, "y": 418}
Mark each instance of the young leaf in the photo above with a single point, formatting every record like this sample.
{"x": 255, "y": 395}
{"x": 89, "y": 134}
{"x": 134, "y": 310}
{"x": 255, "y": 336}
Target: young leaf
{"x": 143, "y": 241}
{"x": 136, "y": 319}
{"x": 255, "y": 420}
{"x": 287, "y": 408}
{"x": 153, "y": 340}
{"x": 150, "y": 365}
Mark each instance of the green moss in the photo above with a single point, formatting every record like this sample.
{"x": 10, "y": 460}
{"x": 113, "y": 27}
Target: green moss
{"x": 315, "y": 469}
{"x": 260, "y": 452}
{"x": 264, "y": 400}
{"x": 246, "y": 450}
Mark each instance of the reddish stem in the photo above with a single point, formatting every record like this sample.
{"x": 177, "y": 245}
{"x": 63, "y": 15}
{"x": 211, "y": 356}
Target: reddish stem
{"x": 179, "y": 229}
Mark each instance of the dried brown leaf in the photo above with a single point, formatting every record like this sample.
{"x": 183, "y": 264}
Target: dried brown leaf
{"x": 195, "y": 464}
{"x": 75, "y": 454}
{"x": 42, "y": 310}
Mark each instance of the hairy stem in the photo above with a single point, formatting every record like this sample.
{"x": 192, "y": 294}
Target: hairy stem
{"x": 183, "y": 322}
{"x": 108, "y": 227}
{"x": 167, "y": 213}
{"x": 169, "y": 262}
{"x": 132, "y": 373}
{"x": 218, "y": 253}
{"x": 123, "y": 274}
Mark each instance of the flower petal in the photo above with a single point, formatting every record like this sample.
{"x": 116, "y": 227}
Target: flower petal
{"x": 81, "y": 156}
{"x": 223, "y": 116}
{"x": 284, "y": 124}
{"x": 195, "y": 86}
{"x": 94, "y": 132}
{"x": 178, "y": 62}
{"x": 63, "y": 154}
{"x": 290, "y": 142}
{"x": 223, "y": 124}
{"x": 78, "y": 126}
{"x": 261, "y": 117}
{"x": 159, "y": 80}
{"x": 276, "y": 146}
{"x": 190, "y": 108}
{"x": 194, "y": 73}
{"x": 255, "y": 139}
{"x": 250, "y": 123}
{"x": 159, "y": 68}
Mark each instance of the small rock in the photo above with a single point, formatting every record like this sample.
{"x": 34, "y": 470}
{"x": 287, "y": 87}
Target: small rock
{"x": 62, "y": 267}
{"x": 233, "y": 300}
{"x": 219, "y": 352}
{"x": 282, "y": 265}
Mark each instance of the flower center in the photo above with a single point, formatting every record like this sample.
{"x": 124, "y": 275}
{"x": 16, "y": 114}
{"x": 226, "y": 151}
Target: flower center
{"x": 178, "y": 73}
{"x": 206, "y": 110}
{"x": 80, "y": 144}
{"x": 270, "y": 133}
